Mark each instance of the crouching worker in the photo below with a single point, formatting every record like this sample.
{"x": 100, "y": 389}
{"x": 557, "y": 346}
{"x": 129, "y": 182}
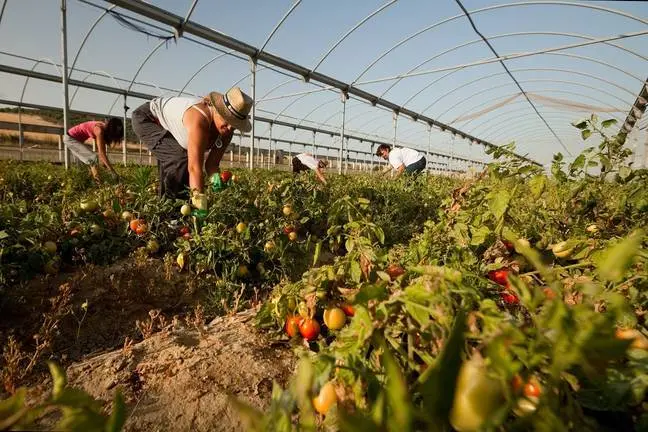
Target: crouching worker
{"x": 104, "y": 133}
{"x": 402, "y": 159}
{"x": 306, "y": 161}
{"x": 180, "y": 130}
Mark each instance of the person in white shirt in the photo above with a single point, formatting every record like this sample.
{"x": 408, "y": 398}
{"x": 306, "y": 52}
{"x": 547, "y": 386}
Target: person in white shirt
{"x": 305, "y": 162}
{"x": 402, "y": 159}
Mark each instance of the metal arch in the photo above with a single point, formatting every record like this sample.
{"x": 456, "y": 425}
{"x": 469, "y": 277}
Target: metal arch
{"x": 292, "y": 8}
{"x": 348, "y": 33}
{"x": 536, "y": 80}
{"x": 2, "y": 9}
{"x": 526, "y": 70}
{"x": 532, "y": 81}
{"x": 524, "y": 120}
{"x": 489, "y": 8}
{"x": 505, "y": 35}
{"x": 512, "y": 115}
{"x": 139, "y": 69}
{"x": 87, "y": 35}
{"x": 200, "y": 69}
{"x": 42, "y": 60}
{"x": 526, "y": 131}
{"x": 88, "y": 75}
{"x": 146, "y": 59}
{"x": 369, "y": 111}
{"x": 278, "y": 86}
{"x": 335, "y": 99}
{"x": 517, "y": 103}
{"x": 529, "y": 122}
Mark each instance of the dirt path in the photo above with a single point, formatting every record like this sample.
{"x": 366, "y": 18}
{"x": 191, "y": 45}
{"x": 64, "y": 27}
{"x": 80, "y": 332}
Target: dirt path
{"x": 181, "y": 379}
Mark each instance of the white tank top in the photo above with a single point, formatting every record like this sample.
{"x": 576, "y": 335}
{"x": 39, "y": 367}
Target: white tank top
{"x": 170, "y": 111}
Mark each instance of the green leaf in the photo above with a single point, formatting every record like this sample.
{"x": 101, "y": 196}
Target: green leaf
{"x": 3, "y": 235}
{"x": 479, "y": 235}
{"x": 437, "y": 384}
{"x": 118, "y": 415}
{"x": 608, "y": 123}
{"x": 586, "y": 133}
{"x": 499, "y": 202}
{"x": 616, "y": 260}
{"x": 251, "y": 418}
{"x": 582, "y": 125}
{"x": 624, "y": 172}
{"x": 537, "y": 185}
{"x": 354, "y": 422}
{"x": 356, "y": 272}
{"x": 11, "y": 410}
{"x": 59, "y": 379}
{"x": 400, "y": 416}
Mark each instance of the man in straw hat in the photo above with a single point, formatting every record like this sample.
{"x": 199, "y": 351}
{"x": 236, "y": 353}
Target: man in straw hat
{"x": 179, "y": 130}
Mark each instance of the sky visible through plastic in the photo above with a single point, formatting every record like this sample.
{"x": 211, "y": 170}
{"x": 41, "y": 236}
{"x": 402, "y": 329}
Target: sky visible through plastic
{"x": 565, "y": 86}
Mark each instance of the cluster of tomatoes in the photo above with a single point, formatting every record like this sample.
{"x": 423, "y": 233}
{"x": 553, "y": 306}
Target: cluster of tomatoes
{"x": 309, "y": 328}
{"x": 500, "y": 277}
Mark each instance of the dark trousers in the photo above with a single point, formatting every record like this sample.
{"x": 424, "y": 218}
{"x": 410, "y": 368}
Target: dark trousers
{"x": 417, "y": 167}
{"x": 298, "y": 166}
{"x": 173, "y": 164}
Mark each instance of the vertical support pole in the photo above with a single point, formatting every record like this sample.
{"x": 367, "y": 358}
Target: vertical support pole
{"x": 124, "y": 144}
{"x": 274, "y": 158}
{"x": 395, "y": 116}
{"x": 344, "y": 99}
{"x": 239, "y": 149}
{"x": 429, "y": 142}
{"x": 66, "y": 99}
{"x": 314, "y": 147}
{"x": 140, "y": 151}
{"x": 21, "y": 135}
{"x": 150, "y": 155}
{"x": 346, "y": 166}
{"x": 60, "y": 148}
{"x": 371, "y": 156}
{"x": 253, "y": 65}
{"x": 290, "y": 151}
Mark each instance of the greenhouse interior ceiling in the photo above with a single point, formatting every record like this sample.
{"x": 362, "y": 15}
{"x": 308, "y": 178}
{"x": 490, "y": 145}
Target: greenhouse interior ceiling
{"x": 448, "y": 77}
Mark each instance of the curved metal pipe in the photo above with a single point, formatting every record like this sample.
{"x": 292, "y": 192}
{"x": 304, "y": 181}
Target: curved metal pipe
{"x": 348, "y": 33}
{"x": 489, "y": 8}
{"x": 279, "y": 24}
{"x": 557, "y": 116}
{"x": 536, "y": 91}
{"x": 101, "y": 73}
{"x": 506, "y": 35}
{"x": 568, "y": 71}
{"x": 200, "y": 69}
{"x": 87, "y": 35}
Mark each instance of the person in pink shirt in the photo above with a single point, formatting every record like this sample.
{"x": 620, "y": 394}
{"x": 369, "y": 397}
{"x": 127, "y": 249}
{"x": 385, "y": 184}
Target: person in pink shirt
{"x": 105, "y": 133}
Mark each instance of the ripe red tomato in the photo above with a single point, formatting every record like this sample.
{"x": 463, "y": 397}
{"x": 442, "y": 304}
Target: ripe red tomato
{"x": 532, "y": 389}
{"x": 508, "y": 245}
{"x": 348, "y": 309}
{"x": 184, "y": 230}
{"x": 517, "y": 383}
{"x": 225, "y": 176}
{"x": 288, "y": 229}
{"x": 309, "y": 329}
{"x": 499, "y": 276}
{"x": 134, "y": 224}
{"x": 509, "y": 298}
{"x": 292, "y": 324}
{"x": 141, "y": 229}
{"x": 394, "y": 270}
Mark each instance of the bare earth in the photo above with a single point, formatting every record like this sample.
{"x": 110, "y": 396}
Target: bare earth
{"x": 181, "y": 380}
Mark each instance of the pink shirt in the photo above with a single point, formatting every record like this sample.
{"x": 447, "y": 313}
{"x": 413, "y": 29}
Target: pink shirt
{"x": 83, "y": 131}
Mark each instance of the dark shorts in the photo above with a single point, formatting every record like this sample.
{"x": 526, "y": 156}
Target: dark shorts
{"x": 173, "y": 164}
{"x": 417, "y": 167}
{"x": 298, "y": 166}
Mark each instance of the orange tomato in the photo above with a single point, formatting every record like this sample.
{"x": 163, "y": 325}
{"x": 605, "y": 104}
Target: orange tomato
{"x": 309, "y": 329}
{"x": 134, "y": 224}
{"x": 292, "y": 325}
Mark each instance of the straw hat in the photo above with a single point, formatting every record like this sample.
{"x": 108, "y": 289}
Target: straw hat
{"x": 234, "y": 107}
